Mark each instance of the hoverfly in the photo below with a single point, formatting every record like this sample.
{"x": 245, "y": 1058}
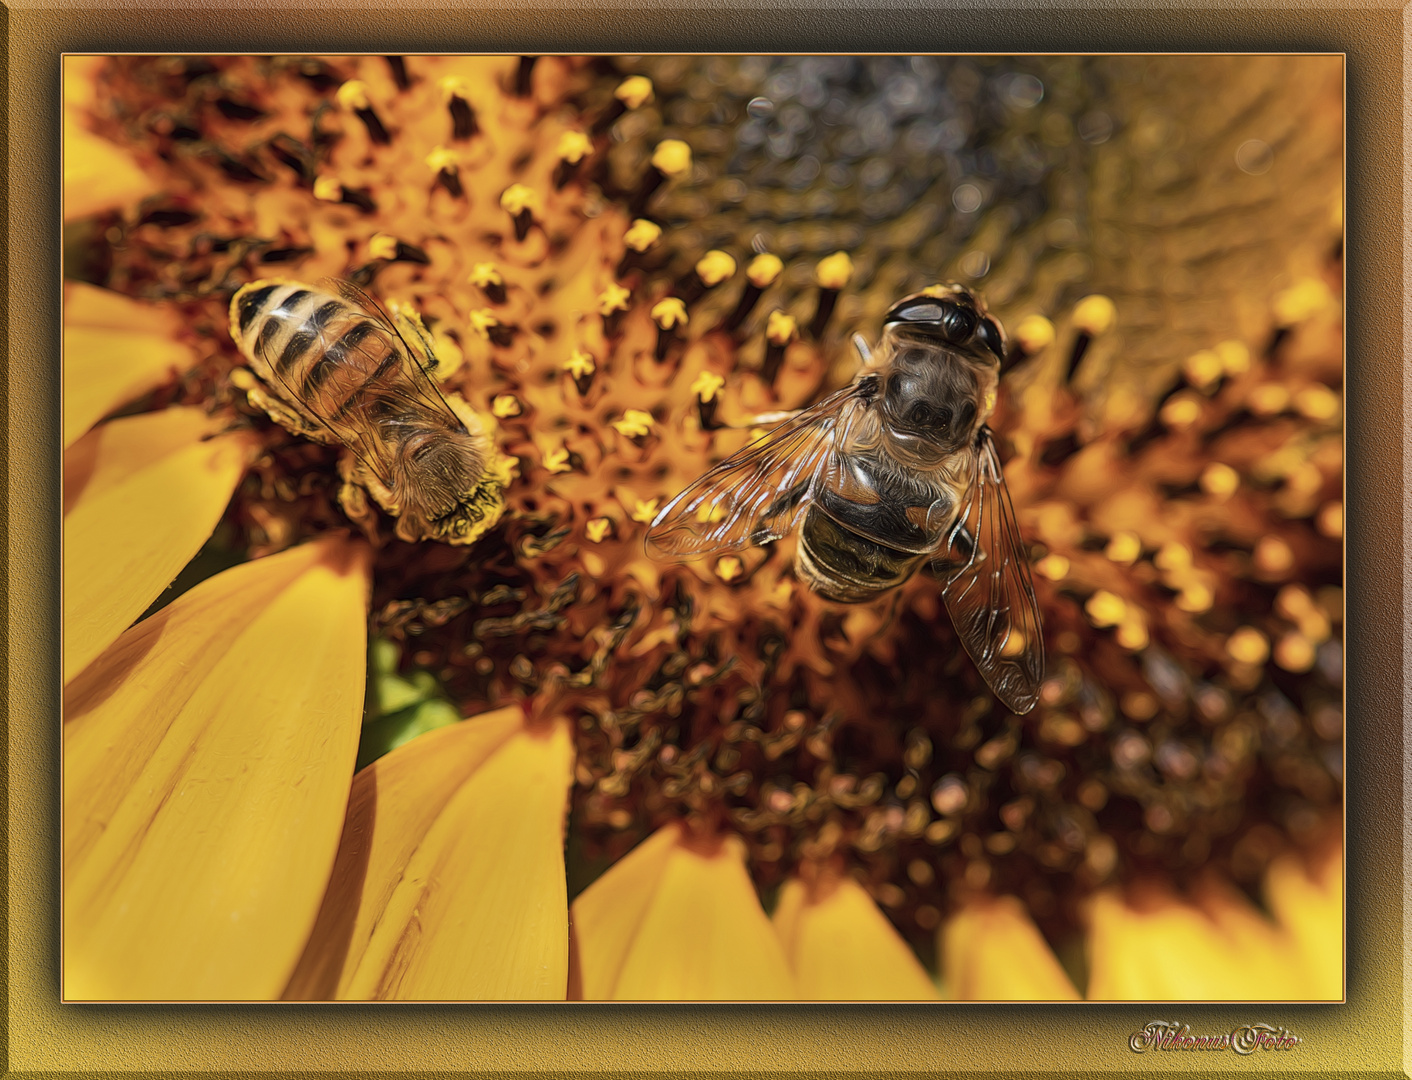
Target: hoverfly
{"x": 894, "y": 470}
{"x": 339, "y": 370}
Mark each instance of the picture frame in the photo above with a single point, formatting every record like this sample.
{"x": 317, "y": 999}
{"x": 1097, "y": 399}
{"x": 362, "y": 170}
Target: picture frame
{"x": 792, "y": 1039}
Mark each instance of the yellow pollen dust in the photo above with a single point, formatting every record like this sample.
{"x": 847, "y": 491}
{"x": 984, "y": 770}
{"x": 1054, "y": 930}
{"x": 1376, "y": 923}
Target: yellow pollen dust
{"x": 1124, "y": 548}
{"x": 1095, "y": 314}
{"x": 573, "y": 147}
{"x": 1034, "y": 333}
{"x": 1172, "y": 556}
{"x": 1317, "y": 402}
{"x": 483, "y": 274}
{"x": 579, "y": 364}
{"x": 517, "y": 198}
{"x": 669, "y": 313}
{"x": 1294, "y": 652}
{"x": 1269, "y": 399}
{"x": 454, "y": 86}
{"x": 1330, "y": 519}
{"x": 1181, "y": 412}
{"x": 714, "y": 267}
{"x": 557, "y": 461}
{"x": 1195, "y": 597}
{"x": 707, "y": 384}
{"x": 382, "y": 246}
{"x": 1234, "y": 357}
{"x": 613, "y": 298}
{"x": 634, "y": 91}
{"x": 672, "y": 157}
{"x": 763, "y": 269}
{"x": 353, "y": 95}
{"x": 645, "y": 511}
{"x": 1302, "y": 301}
{"x": 779, "y": 328}
{"x": 642, "y": 234}
{"x": 634, "y": 423}
{"x": 728, "y": 568}
{"x": 597, "y": 529}
{"x": 1132, "y": 632}
{"x": 443, "y": 158}
{"x": 834, "y": 270}
{"x": 506, "y": 405}
{"x": 1054, "y": 567}
{"x": 482, "y": 321}
{"x": 1105, "y": 608}
{"x": 1203, "y": 368}
{"x": 327, "y": 189}
{"x": 1219, "y": 480}
{"x": 1248, "y": 646}
{"x": 1273, "y": 556}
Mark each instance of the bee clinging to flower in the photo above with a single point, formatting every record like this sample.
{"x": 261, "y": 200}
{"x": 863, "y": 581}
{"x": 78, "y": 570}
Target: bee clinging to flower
{"x": 895, "y": 470}
{"x": 337, "y": 369}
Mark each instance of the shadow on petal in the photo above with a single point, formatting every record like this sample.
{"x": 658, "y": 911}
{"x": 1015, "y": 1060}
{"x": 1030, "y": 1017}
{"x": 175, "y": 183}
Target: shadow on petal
{"x": 115, "y": 350}
{"x": 449, "y": 882}
{"x": 207, "y": 759}
{"x": 677, "y": 921}
{"x": 141, "y": 495}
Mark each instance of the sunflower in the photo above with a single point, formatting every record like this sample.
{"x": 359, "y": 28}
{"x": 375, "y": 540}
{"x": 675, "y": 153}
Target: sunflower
{"x": 306, "y": 759}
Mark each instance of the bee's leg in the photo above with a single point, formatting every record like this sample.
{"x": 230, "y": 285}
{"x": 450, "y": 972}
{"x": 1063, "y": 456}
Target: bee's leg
{"x": 353, "y": 496}
{"x": 283, "y": 414}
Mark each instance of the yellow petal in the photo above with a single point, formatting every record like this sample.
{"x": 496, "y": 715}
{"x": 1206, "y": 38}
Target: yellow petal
{"x": 99, "y": 175}
{"x": 842, "y": 948}
{"x": 669, "y": 922}
{"x": 207, "y": 760}
{"x": 1310, "y": 910}
{"x": 992, "y": 951}
{"x": 141, "y": 495}
{"x": 450, "y": 882}
{"x": 1162, "y": 948}
{"x": 108, "y": 361}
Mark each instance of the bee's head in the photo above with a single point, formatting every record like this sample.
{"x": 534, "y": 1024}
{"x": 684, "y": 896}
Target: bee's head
{"x": 945, "y": 360}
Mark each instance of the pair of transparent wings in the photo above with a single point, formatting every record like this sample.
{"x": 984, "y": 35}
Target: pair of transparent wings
{"x": 762, "y": 492}
{"x": 347, "y": 408}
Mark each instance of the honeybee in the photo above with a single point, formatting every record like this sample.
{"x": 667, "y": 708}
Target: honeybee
{"x": 338, "y": 369}
{"x": 894, "y": 470}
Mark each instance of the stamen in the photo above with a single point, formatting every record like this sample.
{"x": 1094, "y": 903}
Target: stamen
{"x": 832, "y": 273}
{"x": 672, "y": 158}
{"x": 762, "y": 272}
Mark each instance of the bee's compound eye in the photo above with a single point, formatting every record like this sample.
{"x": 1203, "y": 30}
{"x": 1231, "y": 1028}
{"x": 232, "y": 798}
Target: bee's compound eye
{"x": 990, "y": 335}
{"x": 960, "y": 324}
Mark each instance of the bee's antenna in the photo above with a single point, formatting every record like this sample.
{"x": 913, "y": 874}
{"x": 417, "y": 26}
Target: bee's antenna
{"x": 861, "y": 344}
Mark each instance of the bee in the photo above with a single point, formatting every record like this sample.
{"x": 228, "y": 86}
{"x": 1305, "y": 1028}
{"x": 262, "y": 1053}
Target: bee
{"x": 337, "y": 369}
{"x": 895, "y": 470}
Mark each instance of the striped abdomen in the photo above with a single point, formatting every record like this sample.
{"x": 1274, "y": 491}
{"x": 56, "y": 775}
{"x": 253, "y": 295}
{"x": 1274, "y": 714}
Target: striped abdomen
{"x": 326, "y": 358}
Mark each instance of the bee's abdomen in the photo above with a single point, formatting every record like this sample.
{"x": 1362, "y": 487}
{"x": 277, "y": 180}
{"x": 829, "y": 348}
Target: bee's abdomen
{"x": 315, "y": 350}
{"x": 842, "y": 566}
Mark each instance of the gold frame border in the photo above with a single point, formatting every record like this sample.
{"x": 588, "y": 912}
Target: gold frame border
{"x": 1364, "y": 1036}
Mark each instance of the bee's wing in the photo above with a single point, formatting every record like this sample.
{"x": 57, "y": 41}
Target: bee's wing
{"x": 759, "y": 493}
{"x": 989, "y": 591}
{"x": 362, "y": 439}
{"x": 418, "y": 361}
